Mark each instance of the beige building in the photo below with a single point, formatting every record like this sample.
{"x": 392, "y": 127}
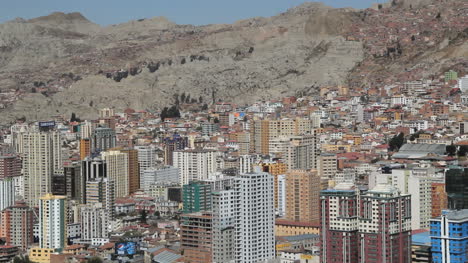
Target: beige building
{"x": 327, "y": 165}
{"x": 117, "y": 171}
{"x": 264, "y": 131}
{"x": 42, "y": 158}
{"x": 302, "y": 195}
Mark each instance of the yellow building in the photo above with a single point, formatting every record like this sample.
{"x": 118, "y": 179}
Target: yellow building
{"x": 336, "y": 147}
{"x": 292, "y": 228}
{"x": 41, "y": 255}
{"x": 275, "y": 169}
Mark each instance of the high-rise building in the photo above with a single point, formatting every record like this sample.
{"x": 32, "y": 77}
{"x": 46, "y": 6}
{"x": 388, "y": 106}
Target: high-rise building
{"x": 301, "y": 152}
{"x": 133, "y": 170}
{"x": 159, "y": 175}
{"x": 254, "y": 237}
{"x": 7, "y": 192}
{"x": 327, "y": 165}
{"x": 197, "y": 197}
{"x": 449, "y": 237}
{"x": 374, "y": 226}
{"x": 171, "y": 144}
{"x": 196, "y": 237}
{"x": 420, "y": 189}
{"x": 456, "y": 185}
{"x": 10, "y": 166}
{"x": 86, "y": 129}
{"x": 52, "y": 222}
{"x": 275, "y": 169}
{"x": 91, "y": 169}
{"x": 263, "y": 131}
{"x": 94, "y": 221}
{"x": 117, "y": 171}
{"x": 303, "y": 196}
{"x": 42, "y": 158}
{"x": 439, "y": 199}
{"x": 223, "y": 226}
{"x": 147, "y": 158}
{"x": 103, "y": 139}
{"x": 17, "y": 225}
{"x": 194, "y": 164}
{"x": 74, "y": 181}
{"x": 106, "y": 113}
{"x": 463, "y": 84}
{"x": 101, "y": 191}
{"x": 85, "y": 148}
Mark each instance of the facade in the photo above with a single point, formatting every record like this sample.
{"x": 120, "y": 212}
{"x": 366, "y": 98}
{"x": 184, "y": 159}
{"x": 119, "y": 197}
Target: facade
{"x": 171, "y": 144}
{"x": 147, "y": 156}
{"x": 254, "y": 228}
{"x": 196, "y": 197}
{"x": 103, "y": 139}
{"x": 223, "y": 226}
{"x": 85, "y": 148}
{"x": 327, "y": 165}
{"x": 372, "y": 227}
{"x": 301, "y": 152}
{"x": 52, "y": 222}
{"x": 10, "y": 166}
{"x": 194, "y": 164}
{"x": 7, "y": 192}
{"x": 74, "y": 181}
{"x": 101, "y": 191}
{"x": 302, "y": 196}
{"x": 420, "y": 189}
{"x": 133, "y": 170}
{"x": 456, "y": 185}
{"x": 449, "y": 237}
{"x": 439, "y": 199}
{"x": 159, "y": 175}
{"x": 94, "y": 221}
{"x": 42, "y": 158}
{"x": 196, "y": 237}
{"x": 117, "y": 171}
{"x": 263, "y": 131}
{"x": 17, "y": 225}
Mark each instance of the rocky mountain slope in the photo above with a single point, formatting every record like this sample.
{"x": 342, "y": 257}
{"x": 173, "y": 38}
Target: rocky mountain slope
{"x": 63, "y": 63}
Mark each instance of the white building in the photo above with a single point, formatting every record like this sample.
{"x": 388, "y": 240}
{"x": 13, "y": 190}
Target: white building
{"x": 147, "y": 157}
{"x": 463, "y": 84}
{"x": 94, "y": 222}
{"x": 223, "y": 226}
{"x": 246, "y": 163}
{"x": 159, "y": 175}
{"x": 255, "y": 217}
{"x": 7, "y": 192}
{"x": 281, "y": 195}
{"x": 194, "y": 164}
{"x": 52, "y": 222}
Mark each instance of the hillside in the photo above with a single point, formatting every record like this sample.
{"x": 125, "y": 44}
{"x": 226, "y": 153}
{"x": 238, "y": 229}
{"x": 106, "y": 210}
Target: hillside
{"x": 64, "y": 63}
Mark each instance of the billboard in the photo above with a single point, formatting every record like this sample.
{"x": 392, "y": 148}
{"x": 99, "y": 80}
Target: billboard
{"x": 46, "y": 124}
{"x": 125, "y": 248}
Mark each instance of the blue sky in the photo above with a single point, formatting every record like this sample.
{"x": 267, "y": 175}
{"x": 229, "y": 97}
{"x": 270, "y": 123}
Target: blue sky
{"x": 197, "y": 12}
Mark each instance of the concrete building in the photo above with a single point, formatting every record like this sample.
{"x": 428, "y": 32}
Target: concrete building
{"x": 147, "y": 157}
{"x": 159, "y": 175}
{"x": 196, "y": 237}
{"x": 371, "y": 227}
{"x": 133, "y": 170}
{"x": 281, "y": 195}
{"x": 94, "y": 222}
{"x": 196, "y": 197}
{"x": 194, "y": 164}
{"x": 52, "y": 222}
{"x": 171, "y": 144}
{"x": 302, "y": 196}
{"x": 463, "y": 84}
{"x": 10, "y": 166}
{"x": 255, "y": 217}
{"x": 85, "y": 148}
{"x": 449, "y": 237}
{"x": 17, "y": 225}
{"x": 223, "y": 226}
{"x": 101, "y": 191}
{"x": 117, "y": 171}
{"x": 263, "y": 131}
{"x": 327, "y": 165}
{"x": 7, "y": 192}
{"x": 103, "y": 139}
{"x": 302, "y": 153}
{"x": 42, "y": 158}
